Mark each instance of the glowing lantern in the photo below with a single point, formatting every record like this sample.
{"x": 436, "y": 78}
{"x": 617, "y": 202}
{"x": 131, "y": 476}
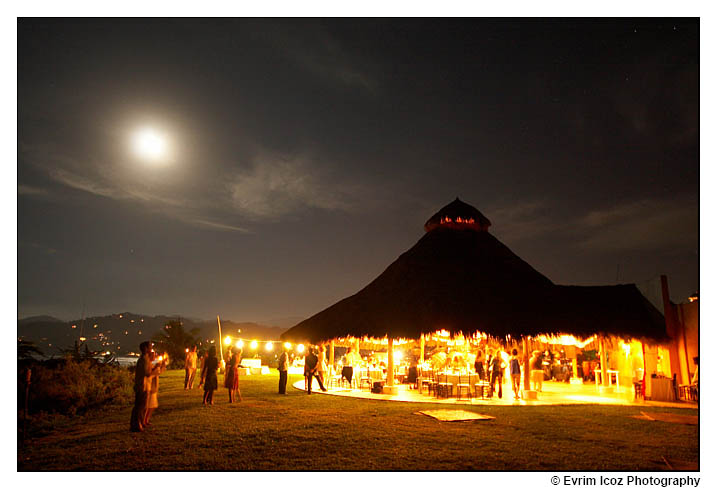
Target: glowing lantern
{"x": 239, "y": 344}
{"x": 227, "y": 340}
{"x": 300, "y": 348}
{"x": 253, "y": 345}
{"x": 268, "y": 346}
{"x": 287, "y": 345}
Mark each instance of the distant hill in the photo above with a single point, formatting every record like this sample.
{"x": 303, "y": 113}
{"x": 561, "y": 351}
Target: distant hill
{"x": 121, "y": 333}
{"x": 41, "y": 318}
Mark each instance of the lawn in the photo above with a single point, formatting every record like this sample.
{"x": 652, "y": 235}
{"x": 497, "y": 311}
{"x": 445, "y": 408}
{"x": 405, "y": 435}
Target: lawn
{"x": 267, "y": 431}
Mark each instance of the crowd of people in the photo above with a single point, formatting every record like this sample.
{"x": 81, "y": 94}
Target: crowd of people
{"x": 489, "y": 364}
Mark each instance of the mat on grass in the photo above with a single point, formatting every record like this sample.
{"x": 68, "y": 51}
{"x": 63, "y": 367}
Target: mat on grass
{"x": 668, "y": 417}
{"x": 454, "y": 415}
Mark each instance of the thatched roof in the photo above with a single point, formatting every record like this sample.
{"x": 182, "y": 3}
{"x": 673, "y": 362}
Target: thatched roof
{"x": 458, "y": 214}
{"x": 462, "y": 279}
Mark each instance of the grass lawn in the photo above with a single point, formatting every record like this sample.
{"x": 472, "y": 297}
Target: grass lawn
{"x": 267, "y": 431}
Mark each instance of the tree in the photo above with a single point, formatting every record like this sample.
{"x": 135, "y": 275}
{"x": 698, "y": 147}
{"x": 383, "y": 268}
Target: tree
{"x": 173, "y": 340}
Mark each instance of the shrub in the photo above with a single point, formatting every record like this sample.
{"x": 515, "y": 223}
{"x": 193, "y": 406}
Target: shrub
{"x": 70, "y": 386}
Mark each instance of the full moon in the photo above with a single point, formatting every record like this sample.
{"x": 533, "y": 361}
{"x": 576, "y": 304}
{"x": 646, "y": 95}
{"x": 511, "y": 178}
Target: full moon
{"x": 149, "y": 144}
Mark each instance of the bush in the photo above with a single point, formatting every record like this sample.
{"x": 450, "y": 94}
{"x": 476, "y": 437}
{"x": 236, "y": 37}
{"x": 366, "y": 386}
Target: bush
{"x": 70, "y": 386}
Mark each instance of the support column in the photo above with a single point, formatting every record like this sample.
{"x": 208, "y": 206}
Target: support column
{"x": 331, "y": 354}
{"x": 390, "y": 363}
{"x": 423, "y": 344}
{"x": 527, "y": 371}
{"x": 602, "y": 354}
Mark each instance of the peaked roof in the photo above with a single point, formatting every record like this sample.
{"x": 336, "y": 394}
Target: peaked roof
{"x": 458, "y": 214}
{"x": 460, "y": 278}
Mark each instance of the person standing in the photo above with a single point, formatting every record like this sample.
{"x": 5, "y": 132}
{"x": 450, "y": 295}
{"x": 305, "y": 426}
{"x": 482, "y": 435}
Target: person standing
{"x": 190, "y": 367}
{"x": 321, "y": 364}
{"x": 152, "y": 401}
{"x": 143, "y": 369}
{"x": 515, "y": 369}
{"x": 348, "y": 368}
{"x": 231, "y": 376}
{"x": 202, "y": 360}
{"x": 536, "y": 366}
{"x": 310, "y": 367}
{"x": 479, "y": 365}
{"x": 209, "y": 375}
{"x": 283, "y": 366}
{"x": 497, "y": 373}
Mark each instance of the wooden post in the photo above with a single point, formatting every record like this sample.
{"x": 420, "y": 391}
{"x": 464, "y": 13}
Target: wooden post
{"x": 221, "y": 345}
{"x": 672, "y": 327}
{"x": 423, "y": 344}
{"x": 527, "y": 371}
{"x": 574, "y": 366}
{"x": 602, "y": 353}
{"x": 331, "y": 354}
{"x": 390, "y": 362}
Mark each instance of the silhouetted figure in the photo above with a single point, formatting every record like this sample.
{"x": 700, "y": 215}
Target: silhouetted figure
{"x": 283, "y": 367}
{"x": 310, "y": 363}
{"x": 209, "y": 375}
{"x": 143, "y": 369}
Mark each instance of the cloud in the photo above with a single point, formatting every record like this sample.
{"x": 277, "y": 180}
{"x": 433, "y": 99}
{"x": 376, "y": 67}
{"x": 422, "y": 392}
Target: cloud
{"x": 218, "y": 226}
{"x": 320, "y": 53}
{"x": 646, "y": 224}
{"x": 276, "y": 186}
{"x": 27, "y": 190}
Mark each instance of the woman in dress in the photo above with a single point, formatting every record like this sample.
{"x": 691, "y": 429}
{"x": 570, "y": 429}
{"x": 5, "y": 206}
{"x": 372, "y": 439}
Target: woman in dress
{"x": 152, "y": 402}
{"x": 209, "y": 375}
{"x": 231, "y": 376}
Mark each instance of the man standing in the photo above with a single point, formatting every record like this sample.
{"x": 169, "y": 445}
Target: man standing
{"x": 311, "y": 362}
{"x": 190, "y": 367}
{"x": 283, "y": 367}
{"x": 143, "y": 370}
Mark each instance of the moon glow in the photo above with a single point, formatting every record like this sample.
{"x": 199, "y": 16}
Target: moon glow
{"x": 149, "y": 144}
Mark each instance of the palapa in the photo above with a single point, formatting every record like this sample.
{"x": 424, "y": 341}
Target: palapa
{"x": 458, "y": 277}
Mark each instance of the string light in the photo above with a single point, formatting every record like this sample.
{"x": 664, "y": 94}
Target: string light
{"x": 253, "y": 345}
{"x": 269, "y": 347}
{"x": 227, "y": 340}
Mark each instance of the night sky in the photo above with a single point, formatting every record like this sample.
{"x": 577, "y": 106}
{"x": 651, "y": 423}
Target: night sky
{"x": 304, "y": 156}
